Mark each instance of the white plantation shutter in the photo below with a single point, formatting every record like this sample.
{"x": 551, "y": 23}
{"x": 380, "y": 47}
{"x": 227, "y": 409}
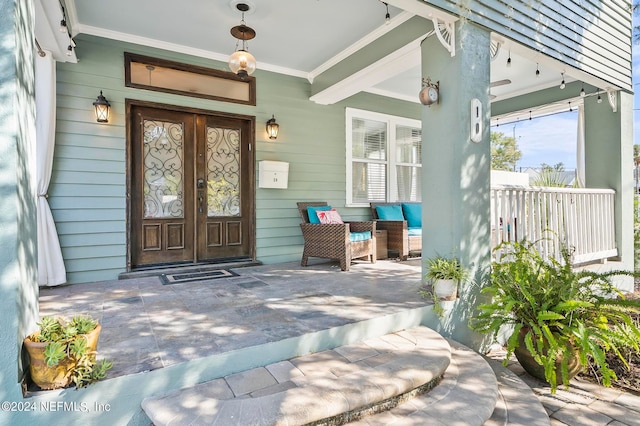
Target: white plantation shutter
{"x": 408, "y": 145}
{"x": 369, "y": 156}
{"x": 384, "y": 156}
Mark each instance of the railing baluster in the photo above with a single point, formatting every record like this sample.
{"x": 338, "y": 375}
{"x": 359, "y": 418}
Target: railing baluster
{"x": 582, "y": 218}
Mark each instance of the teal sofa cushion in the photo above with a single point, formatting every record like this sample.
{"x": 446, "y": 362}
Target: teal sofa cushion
{"x": 413, "y": 214}
{"x": 392, "y": 212}
{"x": 313, "y": 216}
{"x": 359, "y": 236}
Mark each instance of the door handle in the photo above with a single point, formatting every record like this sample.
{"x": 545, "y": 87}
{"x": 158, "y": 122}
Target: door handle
{"x": 200, "y": 199}
{"x": 200, "y": 183}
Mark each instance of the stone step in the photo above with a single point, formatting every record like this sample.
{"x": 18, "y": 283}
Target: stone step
{"x": 466, "y": 396}
{"x": 328, "y": 387}
{"x": 412, "y": 377}
{"x": 517, "y": 404}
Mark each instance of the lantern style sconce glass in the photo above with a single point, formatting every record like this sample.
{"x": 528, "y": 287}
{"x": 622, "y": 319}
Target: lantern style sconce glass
{"x": 241, "y": 62}
{"x": 102, "y": 106}
{"x": 272, "y": 128}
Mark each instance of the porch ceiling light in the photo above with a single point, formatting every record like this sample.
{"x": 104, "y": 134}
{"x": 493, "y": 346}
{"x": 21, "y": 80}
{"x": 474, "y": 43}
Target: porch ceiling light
{"x": 387, "y": 17}
{"x": 272, "y": 128}
{"x": 562, "y": 85}
{"x": 509, "y": 60}
{"x": 582, "y": 92}
{"x": 241, "y": 62}
{"x": 537, "y": 70}
{"x": 102, "y": 106}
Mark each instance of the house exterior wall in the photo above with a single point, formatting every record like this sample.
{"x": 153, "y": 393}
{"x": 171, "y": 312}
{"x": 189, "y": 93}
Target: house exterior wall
{"x": 88, "y": 186}
{"x": 592, "y": 36}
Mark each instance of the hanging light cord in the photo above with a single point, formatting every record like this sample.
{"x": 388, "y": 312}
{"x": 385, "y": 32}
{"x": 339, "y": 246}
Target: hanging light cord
{"x": 523, "y": 117}
{"x": 387, "y": 17}
{"x": 41, "y": 52}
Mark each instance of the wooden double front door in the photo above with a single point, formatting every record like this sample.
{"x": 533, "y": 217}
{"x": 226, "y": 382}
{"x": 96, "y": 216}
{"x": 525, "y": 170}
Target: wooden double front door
{"x": 191, "y": 186}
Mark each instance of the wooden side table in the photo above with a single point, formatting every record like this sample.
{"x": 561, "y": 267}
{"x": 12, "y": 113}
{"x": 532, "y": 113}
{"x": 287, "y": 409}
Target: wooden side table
{"x": 381, "y": 244}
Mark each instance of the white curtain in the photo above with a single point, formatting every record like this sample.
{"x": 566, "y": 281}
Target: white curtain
{"x": 580, "y": 148}
{"x": 51, "y": 270}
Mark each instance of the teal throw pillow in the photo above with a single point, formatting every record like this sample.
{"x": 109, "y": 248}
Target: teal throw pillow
{"x": 393, "y": 212}
{"x": 413, "y": 213}
{"x": 313, "y": 216}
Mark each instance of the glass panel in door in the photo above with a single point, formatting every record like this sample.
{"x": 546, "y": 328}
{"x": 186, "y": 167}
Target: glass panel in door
{"x": 163, "y": 174}
{"x": 223, "y": 172}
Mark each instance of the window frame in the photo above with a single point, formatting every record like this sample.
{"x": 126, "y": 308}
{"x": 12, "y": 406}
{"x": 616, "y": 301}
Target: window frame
{"x": 391, "y": 162}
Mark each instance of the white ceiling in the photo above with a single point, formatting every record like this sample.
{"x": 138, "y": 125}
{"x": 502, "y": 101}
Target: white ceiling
{"x": 296, "y": 37}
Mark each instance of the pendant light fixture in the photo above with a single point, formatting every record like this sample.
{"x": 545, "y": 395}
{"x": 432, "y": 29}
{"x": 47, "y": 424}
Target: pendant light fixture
{"x": 241, "y": 61}
{"x": 537, "y": 70}
{"x": 562, "y": 84}
{"x": 509, "y": 60}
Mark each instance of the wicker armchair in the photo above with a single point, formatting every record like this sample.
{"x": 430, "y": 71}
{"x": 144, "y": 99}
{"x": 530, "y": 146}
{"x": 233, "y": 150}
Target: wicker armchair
{"x": 332, "y": 241}
{"x": 398, "y": 238}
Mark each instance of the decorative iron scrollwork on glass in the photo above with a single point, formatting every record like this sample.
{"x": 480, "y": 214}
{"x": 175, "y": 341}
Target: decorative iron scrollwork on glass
{"x": 163, "y": 169}
{"x": 223, "y": 172}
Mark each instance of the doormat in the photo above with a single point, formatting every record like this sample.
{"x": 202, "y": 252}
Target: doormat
{"x": 187, "y": 277}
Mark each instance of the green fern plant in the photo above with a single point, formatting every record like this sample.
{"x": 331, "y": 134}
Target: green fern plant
{"x": 442, "y": 268}
{"x": 564, "y": 312}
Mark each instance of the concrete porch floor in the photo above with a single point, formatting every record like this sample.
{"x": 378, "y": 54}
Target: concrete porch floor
{"x": 147, "y": 325}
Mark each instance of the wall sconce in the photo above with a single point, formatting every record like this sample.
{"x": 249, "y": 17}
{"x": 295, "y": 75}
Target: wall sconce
{"x": 102, "y": 109}
{"x": 272, "y": 128}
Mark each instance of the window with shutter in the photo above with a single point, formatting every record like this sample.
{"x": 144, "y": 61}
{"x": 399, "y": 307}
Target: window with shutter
{"x": 383, "y": 158}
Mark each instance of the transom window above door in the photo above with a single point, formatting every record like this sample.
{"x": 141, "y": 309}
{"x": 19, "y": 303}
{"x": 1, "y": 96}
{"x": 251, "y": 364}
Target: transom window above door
{"x": 384, "y": 158}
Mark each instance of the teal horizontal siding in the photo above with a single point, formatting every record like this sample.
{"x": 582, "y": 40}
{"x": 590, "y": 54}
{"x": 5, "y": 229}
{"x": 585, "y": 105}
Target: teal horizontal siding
{"x": 90, "y": 228}
{"x": 85, "y": 239}
{"x": 593, "y": 36}
{"x": 87, "y": 215}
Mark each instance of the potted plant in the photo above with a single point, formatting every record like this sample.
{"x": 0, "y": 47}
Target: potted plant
{"x": 62, "y": 352}
{"x": 445, "y": 274}
{"x": 561, "y": 317}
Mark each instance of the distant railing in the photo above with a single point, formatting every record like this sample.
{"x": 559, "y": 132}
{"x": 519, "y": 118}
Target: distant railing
{"x": 583, "y": 219}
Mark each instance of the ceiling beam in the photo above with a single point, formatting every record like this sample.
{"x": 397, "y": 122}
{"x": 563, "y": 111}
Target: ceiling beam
{"x": 381, "y": 70}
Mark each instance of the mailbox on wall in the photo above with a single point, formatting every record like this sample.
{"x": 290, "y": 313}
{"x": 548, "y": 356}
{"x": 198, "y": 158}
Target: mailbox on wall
{"x": 273, "y": 174}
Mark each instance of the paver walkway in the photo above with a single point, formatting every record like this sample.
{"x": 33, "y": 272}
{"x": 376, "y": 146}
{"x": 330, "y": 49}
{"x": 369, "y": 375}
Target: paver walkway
{"x": 584, "y": 403}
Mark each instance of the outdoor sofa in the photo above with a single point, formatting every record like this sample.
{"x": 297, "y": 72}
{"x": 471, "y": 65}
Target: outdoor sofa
{"x": 403, "y": 223}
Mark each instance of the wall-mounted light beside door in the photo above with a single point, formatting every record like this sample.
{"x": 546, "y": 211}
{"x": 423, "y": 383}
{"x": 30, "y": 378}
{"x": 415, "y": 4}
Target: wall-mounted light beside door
{"x": 272, "y": 128}
{"x": 102, "y": 106}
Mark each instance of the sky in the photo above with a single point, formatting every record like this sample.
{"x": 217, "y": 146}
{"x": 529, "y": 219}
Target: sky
{"x": 552, "y": 139}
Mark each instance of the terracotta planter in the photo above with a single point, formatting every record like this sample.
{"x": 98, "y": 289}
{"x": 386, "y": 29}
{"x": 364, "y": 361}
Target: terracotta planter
{"x": 536, "y": 370}
{"x": 445, "y": 289}
{"x": 55, "y": 376}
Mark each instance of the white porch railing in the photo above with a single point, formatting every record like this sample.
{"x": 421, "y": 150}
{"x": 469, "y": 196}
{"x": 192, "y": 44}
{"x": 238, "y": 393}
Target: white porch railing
{"x": 582, "y": 218}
